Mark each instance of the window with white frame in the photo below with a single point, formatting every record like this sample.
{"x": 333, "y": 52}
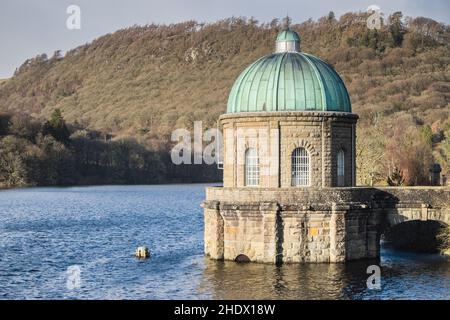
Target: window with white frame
{"x": 300, "y": 168}
{"x": 251, "y": 167}
{"x": 341, "y": 168}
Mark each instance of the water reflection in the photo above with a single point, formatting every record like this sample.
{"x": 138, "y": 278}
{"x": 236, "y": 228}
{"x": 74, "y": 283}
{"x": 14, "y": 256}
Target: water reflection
{"x": 230, "y": 280}
{"x": 403, "y": 276}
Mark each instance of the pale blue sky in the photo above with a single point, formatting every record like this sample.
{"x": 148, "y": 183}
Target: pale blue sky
{"x": 30, "y": 27}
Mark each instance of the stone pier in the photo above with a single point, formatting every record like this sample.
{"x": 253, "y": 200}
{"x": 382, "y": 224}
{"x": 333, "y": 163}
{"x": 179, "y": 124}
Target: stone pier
{"x": 312, "y": 224}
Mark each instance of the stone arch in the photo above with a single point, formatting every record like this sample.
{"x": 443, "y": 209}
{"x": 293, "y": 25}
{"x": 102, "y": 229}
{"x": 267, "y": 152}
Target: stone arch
{"x": 251, "y": 144}
{"x": 253, "y": 137}
{"x": 394, "y": 219}
{"x": 390, "y": 218}
{"x": 414, "y": 235}
{"x": 257, "y": 145}
{"x": 242, "y": 258}
{"x": 341, "y": 146}
{"x": 303, "y": 144}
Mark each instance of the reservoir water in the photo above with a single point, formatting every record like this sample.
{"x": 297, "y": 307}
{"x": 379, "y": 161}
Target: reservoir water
{"x": 46, "y": 233}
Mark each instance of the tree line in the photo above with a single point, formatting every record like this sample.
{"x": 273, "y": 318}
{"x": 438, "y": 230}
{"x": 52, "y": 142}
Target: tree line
{"x": 53, "y": 153}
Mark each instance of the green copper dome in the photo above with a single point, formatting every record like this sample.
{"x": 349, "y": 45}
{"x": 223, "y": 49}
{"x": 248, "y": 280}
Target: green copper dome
{"x": 289, "y": 80}
{"x": 288, "y": 35}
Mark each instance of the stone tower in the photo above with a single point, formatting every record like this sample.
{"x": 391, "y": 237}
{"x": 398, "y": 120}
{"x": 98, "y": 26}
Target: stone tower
{"x": 289, "y": 167}
{"x": 290, "y": 112}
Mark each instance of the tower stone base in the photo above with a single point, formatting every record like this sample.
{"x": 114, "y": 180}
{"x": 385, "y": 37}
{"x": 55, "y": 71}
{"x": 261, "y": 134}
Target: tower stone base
{"x": 312, "y": 224}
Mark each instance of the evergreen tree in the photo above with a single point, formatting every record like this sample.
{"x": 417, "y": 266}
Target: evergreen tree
{"x": 56, "y": 127}
{"x": 331, "y": 16}
{"x": 396, "y": 28}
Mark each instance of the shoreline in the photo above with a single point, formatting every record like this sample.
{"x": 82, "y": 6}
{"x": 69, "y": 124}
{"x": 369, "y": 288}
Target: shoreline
{"x": 2, "y": 188}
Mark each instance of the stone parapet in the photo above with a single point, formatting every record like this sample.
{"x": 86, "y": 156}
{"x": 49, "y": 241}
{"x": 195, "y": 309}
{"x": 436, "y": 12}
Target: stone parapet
{"x": 378, "y": 197}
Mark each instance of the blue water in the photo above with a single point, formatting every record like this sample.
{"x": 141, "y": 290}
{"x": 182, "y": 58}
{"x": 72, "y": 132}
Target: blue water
{"x": 44, "y": 231}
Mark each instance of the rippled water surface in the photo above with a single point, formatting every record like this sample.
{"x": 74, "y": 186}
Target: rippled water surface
{"x": 43, "y": 231}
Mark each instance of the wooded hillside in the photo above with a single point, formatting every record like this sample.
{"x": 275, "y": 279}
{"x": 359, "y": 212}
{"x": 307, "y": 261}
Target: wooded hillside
{"x": 142, "y": 82}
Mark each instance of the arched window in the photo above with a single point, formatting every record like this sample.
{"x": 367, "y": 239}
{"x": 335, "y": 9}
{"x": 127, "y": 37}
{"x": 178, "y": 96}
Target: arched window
{"x": 251, "y": 167}
{"x": 300, "y": 168}
{"x": 341, "y": 168}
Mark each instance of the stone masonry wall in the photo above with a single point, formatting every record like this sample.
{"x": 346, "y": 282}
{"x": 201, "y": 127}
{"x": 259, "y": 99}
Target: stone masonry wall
{"x": 343, "y": 138}
{"x": 312, "y": 224}
{"x": 276, "y": 135}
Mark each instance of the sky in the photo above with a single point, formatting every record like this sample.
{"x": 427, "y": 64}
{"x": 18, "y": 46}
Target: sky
{"x": 32, "y": 27}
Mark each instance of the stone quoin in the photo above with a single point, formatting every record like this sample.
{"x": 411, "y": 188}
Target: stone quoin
{"x": 289, "y": 182}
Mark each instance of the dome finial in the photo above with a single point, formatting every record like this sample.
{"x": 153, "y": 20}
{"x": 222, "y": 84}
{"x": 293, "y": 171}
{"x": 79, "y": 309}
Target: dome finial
{"x": 288, "y": 40}
{"x": 286, "y": 22}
